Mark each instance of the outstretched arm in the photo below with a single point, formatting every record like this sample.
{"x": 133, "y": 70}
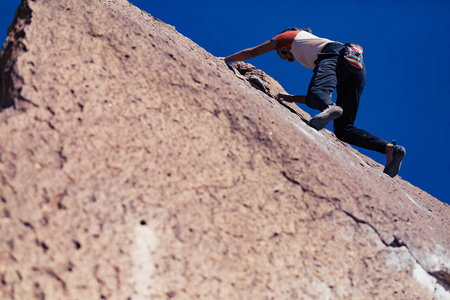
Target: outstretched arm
{"x": 251, "y": 52}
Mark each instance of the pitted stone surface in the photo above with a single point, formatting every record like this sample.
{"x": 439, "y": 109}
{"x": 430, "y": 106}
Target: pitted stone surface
{"x": 135, "y": 165}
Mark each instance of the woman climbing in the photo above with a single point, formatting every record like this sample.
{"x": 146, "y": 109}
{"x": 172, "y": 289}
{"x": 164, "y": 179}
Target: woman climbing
{"x": 336, "y": 67}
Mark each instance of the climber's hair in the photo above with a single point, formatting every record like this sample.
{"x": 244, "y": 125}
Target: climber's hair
{"x": 286, "y": 30}
{"x": 296, "y": 29}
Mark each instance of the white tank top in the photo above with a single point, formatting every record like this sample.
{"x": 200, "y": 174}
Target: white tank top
{"x": 306, "y": 46}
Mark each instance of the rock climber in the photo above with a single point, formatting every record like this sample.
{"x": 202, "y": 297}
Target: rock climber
{"x": 336, "y": 66}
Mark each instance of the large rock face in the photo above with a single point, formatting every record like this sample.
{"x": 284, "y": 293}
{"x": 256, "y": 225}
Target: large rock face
{"x": 135, "y": 165}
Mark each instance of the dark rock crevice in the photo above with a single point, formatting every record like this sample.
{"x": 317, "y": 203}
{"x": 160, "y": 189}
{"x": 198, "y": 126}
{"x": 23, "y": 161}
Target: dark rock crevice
{"x": 15, "y": 44}
{"x": 443, "y": 278}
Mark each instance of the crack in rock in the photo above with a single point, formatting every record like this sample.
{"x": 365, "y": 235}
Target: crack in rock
{"x": 15, "y": 44}
{"x": 441, "y": 277}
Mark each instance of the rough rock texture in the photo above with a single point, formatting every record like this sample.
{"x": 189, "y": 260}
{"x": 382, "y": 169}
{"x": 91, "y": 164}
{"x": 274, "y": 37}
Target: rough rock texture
{"x": 257, "y": 78}
{"x": 135, "y": 165}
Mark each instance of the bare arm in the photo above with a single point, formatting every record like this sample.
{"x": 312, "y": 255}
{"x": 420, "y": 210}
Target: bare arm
{"x": 251, "y": 52}
{"x": 291, "y": 98}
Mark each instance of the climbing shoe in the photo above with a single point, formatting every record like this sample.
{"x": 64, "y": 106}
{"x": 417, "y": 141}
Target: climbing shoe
{"x": 325, "y": 117}
{"x": 394, "y": 157}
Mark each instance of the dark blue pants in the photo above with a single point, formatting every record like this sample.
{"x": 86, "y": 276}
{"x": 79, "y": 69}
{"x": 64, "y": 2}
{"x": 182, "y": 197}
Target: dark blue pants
{"x": 331, "y": 73}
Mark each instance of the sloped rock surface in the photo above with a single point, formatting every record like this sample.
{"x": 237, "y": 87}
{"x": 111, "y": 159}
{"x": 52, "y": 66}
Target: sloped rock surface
{"x": 257, "y": 78}
{"x": 135, "y": 165}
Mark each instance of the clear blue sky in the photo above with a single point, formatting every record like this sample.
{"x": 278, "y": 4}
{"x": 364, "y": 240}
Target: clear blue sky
{"x": 408, "y": 69}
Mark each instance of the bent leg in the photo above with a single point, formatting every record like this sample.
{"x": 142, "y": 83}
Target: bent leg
{"x": 322, "y": 84}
